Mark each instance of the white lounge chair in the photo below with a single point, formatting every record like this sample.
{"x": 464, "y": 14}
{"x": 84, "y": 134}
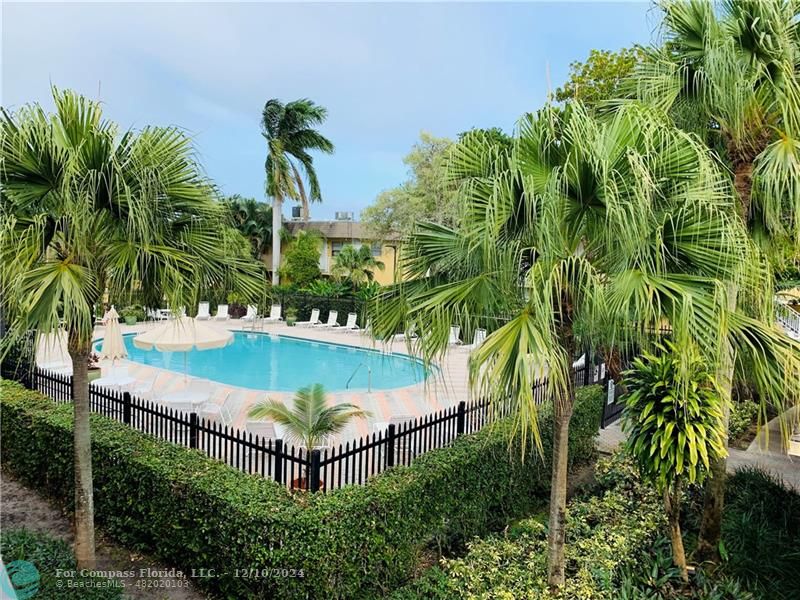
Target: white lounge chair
{"x": 222, "y": 313}
{"x": 274, "y": 314}
{"x": 410, "y": 333}
{"x": 332, "y": 320}
{"x": 314, "y": 320}
{"x": 455, "y": 333}
{"x": 351, "y": 325}
{"x": 202, "y": 312}
{"x": 220, "y": 413}
{"x": 252, "y": 313}
{"x": 477, "y": 339}
{"x": 145, "y": 389}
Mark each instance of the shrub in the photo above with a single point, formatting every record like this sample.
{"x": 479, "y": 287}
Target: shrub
{"x": 301, "y": 259}
{"x": 743, "y": 415}
{"x": 48, "y": 555}
{"x": 606, "y": 533}
{"x": 195, "y": 512}
{"x": 134, "y": 310}
{"x": 761, "y": 533}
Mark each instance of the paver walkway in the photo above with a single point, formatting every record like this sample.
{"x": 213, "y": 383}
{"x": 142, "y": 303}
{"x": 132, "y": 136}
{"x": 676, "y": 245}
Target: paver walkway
{"x": 765, "y": 451}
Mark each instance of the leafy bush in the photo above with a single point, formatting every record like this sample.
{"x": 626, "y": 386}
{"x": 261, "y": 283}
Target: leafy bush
{"x": 742, "y": 416}
{"x": 134, "y": 310}
{"x": 49, "y": 554}
{"x": 761, "y": 533}
{"x": 304, "y": 303}
{"x": 301, "y": 259}
{"x": 361, "y": 542}
{"x": 606, "y": 533}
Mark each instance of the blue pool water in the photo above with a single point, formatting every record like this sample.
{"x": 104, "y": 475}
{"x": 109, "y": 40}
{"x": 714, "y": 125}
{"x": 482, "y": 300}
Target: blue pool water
{"x": 271, "y": 362}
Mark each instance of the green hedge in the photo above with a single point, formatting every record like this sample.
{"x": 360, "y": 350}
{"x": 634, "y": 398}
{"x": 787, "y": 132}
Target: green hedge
{"x": 48, "y": 555}
{"x": 362, "y": 542}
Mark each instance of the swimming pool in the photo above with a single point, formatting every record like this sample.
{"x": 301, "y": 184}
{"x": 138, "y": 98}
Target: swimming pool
{"x": 266, "y": 361}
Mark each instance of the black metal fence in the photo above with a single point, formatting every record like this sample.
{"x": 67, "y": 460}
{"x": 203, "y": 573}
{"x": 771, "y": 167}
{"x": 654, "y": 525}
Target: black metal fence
{"x": 350, "y": 463}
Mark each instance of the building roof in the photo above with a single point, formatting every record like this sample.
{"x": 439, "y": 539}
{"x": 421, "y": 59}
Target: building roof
{"x": 353, "y": 230}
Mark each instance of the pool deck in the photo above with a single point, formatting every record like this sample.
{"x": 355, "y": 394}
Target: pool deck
{"x": 441, "y": 390}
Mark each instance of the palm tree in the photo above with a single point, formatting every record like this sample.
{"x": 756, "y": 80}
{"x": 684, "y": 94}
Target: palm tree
{"x": 588, "y": 235}
{"x": 731, "y": 76}
{"x": 310, "y": 420}
{"x": 85, "y": 208}
{"x": 290, "y": 134}
{"x": 356, "y": 264}
{"x": 253, "y": 220}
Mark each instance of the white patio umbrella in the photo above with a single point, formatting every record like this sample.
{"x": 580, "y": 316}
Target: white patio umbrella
{"x": 182, "y": 335}
{"x": 113, "y": 344}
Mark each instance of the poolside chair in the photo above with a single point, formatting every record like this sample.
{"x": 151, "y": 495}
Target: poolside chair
{"x": 222, "y": 313}
{"x": 145, "y": 389}
{"x": 410, "y": 333}
{"x": 580, "y": 363}
{"x": 274, "y": 314}
{"x": 332, "y": 320}
{"x": 314, "y": 320}
{"x": 252, "y": 313}
{"x": 350, "y": 325}
{"x": 202, "y": 312}
{"x": 477, "y": 339}
{"x": 221, "y": 413}
{"x": 265, "y": 430}
{"x": 455, "y": 333}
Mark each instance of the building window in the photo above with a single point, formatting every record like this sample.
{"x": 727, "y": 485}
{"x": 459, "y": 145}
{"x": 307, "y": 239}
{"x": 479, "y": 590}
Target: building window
{"x": 336, "y": 247}
{"x": 377, "y": 249}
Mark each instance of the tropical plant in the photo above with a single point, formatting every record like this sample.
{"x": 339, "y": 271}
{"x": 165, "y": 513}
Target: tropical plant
{"x": 356, "y": 265}
{"x": 310, "y": 420}
{"x": 590, "y": 235}
{"x": 673, "y": 422}
{"x": 301, "y": 261}
{"x": 253, "y": 220}
{"x": 325, "y": 287}
{"x": 730, "y": 75}
{"x": 84, "y": 209}
{"x": 290, "y": 134}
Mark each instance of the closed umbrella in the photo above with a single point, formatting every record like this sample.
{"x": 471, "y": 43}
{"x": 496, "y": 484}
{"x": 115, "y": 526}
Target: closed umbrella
{"x": 51, "y": 351}
{"x": 113, "y": 344}
{"x": 182, "y": 335}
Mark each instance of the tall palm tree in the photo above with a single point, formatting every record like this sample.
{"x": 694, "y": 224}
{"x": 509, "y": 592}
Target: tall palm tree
{"x": 85, "y": 208}
{"x": 310, "y": 420}
{"x": 588, "y": 235}
{"x": 730, "y": 73}
{"x": 356, "y": 264}
{"x": 290, "y": 134}
{"x": 253, "y": 220}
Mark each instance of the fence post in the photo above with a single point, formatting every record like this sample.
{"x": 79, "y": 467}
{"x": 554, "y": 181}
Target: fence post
{"x": 390, "y": 443}
{"x": 460, "y": 417}
{"x": 588, "y": 370}
{"x": 279, "y": 460}
{"x": 193, "y": 425}
{"x": 126, "y": 408}
{"x": 313, "y": 472}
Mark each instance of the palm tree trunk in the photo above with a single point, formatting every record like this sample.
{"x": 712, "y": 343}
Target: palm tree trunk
{"x": 672, "y": 506}
{"x": 277, "y": 223}
{"x": 84, "y": 496}
{"x": 714, "y": 499}
{"x": 556, "y": 536}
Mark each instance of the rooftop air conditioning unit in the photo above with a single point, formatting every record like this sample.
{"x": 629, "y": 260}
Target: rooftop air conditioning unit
{"x": 296, "y": 212}
{"x": 344, "y": 216}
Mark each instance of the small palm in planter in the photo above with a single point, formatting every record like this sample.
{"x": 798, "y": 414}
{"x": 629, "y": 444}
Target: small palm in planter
{"x": 309, "y": 421}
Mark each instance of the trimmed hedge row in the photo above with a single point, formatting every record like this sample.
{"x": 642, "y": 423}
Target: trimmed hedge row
{"x": 197, "y": 513}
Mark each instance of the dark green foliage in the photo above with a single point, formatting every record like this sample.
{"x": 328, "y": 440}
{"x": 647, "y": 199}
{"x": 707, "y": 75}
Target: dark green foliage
{"x": 357, "y": 542}
{"x": 742, "y": 416}
{"x": 654, "y": 577}
{"x": 134, "y": 310}
{"x": 304, "y": 303}
{"x": 606, "y": 533}
{"x": 49, "y": 554}
{"x": 761, "y": 534}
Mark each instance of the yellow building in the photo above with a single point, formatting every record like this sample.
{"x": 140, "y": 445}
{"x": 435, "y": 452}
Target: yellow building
{"x": 335, "y": 235}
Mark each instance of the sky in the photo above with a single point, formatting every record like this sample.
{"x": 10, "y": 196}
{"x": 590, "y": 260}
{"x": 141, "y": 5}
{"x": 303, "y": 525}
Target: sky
{"x": 384, "y": 71}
